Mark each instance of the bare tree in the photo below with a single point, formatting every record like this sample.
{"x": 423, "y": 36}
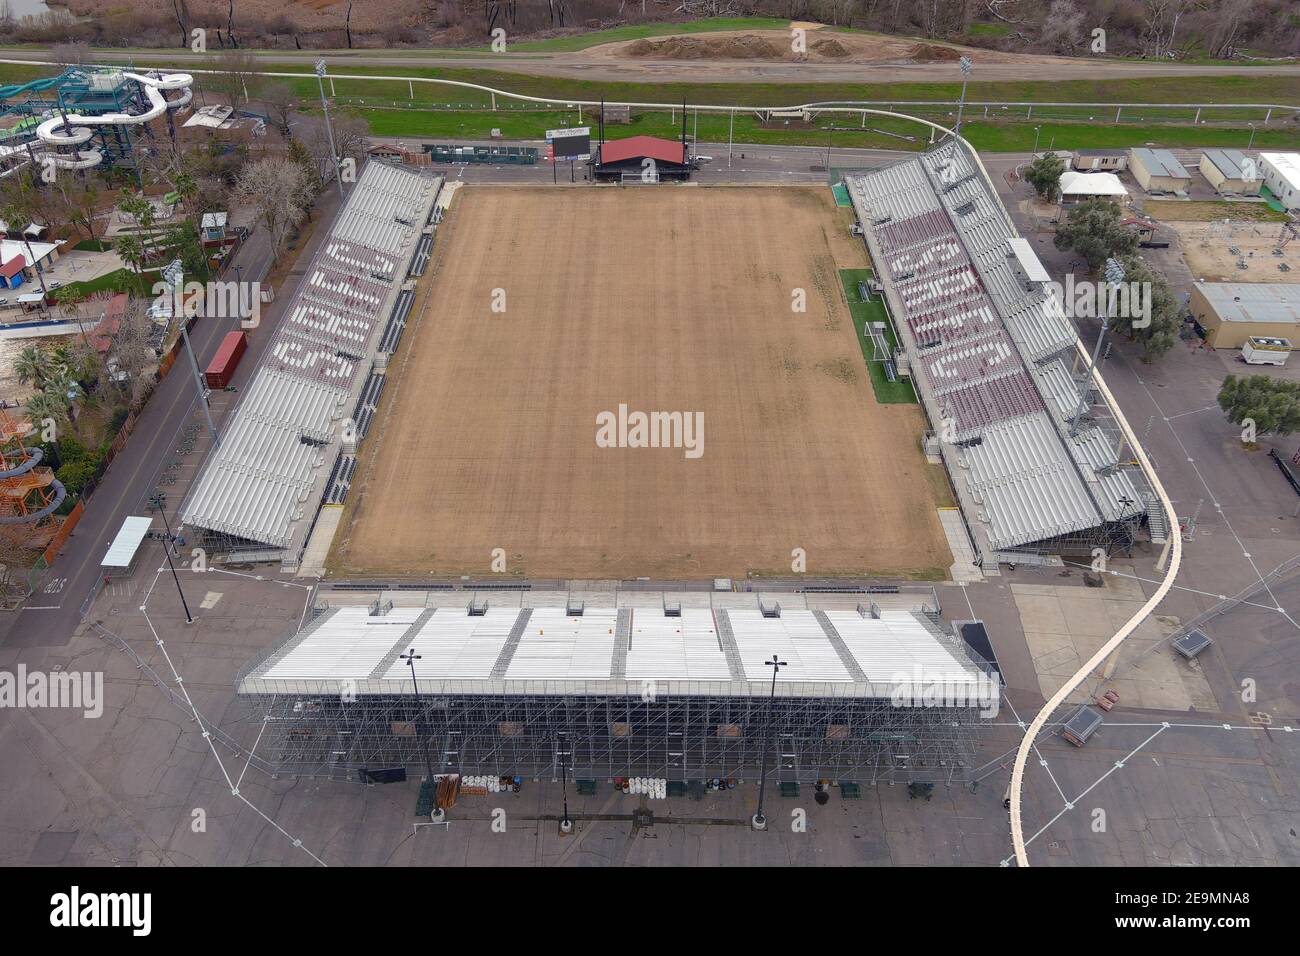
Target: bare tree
{"x": 234, "y": 75}
{"x": 1063, "y": 26}
{"x": 70, "y": 54}
{"x": 278, "y": 190}
{"x": 280, "y": 101}
{"x": 1160, "y": 20}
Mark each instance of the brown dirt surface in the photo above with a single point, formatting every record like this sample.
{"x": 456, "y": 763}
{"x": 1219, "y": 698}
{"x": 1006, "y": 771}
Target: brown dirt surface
{"x": 775, "y": 45}
{"x": 1207, "y": 247}
{"x": 665, "y": 299}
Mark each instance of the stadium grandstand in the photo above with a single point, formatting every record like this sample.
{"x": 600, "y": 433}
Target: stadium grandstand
{"x": 1038, "y": 467}
{"x": 292, "y": 439}
{"x": 868, "y": 693}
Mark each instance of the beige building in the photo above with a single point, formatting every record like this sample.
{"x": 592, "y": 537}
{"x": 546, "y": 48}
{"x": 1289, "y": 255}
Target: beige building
{"x": 1099, "y": 160}
{"x": 1231, "y": 312}
{"x": 1230, "y": 171}
{"x": 1158, "y": 170}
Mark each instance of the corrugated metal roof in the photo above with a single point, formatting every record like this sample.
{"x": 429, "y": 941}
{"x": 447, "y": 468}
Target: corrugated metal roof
{"x": 259, "y": 484}
{"x": 558, "y": 653}
{"x": 1160, "y": 162}
{"x": 1231, "y": 163}
{"x": 1025, "y": 484}
{"x": 121, "y": 552}
{"x": 1253, "y": 301}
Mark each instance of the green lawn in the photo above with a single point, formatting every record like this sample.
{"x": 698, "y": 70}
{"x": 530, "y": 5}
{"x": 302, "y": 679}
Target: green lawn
{"x": 1000, "y": 136}
{"x": 873, "y": 310}
{"x": 123, "y": 280}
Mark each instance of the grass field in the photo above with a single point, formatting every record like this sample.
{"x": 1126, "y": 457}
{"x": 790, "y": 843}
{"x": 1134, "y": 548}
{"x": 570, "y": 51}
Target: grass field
{"x": 873, "y": 310}
{"x": 660, "y": 300}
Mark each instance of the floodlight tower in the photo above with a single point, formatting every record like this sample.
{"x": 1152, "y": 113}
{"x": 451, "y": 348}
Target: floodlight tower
{"x": 965, "y": 66}
{"x": 329, "y": 129}
{"x": 759, "y": 821}
{"x": 1114, "y": 276}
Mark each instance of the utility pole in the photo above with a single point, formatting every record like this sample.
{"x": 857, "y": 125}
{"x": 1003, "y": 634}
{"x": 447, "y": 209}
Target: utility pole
{"x": 329, "y": 128}
{"x": 731, "y": 126}
{"x": 758, "y": 821}
{"x": 173, "y": 274}
{"x": 159, "y": 502}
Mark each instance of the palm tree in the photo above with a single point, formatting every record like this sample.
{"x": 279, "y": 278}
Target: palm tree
{"x": 32, "y": 366}
{"x": 49, "y": 405}
{"x": 130, "y": 249}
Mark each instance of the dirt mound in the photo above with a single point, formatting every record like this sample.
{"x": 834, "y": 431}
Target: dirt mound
{"x": 829, "y": 47}
{"x": 707, "y": 48}
{"x": 929, "y": 53}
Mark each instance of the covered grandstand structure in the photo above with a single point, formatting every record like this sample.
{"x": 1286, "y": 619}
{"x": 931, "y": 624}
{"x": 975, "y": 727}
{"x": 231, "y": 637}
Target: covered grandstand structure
{"x": 292, "y": 440}
{"x": 678, "y": 693}
{"x": 1037, "y": 466}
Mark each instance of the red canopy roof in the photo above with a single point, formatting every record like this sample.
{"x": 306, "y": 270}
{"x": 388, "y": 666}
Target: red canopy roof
{"x": 637, "y": 147}
{"x": 13, "y": 266}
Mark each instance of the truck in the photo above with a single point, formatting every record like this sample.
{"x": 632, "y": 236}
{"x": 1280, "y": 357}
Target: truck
{"x": 1260, "y": 350}
{"x": 222, "y": 367}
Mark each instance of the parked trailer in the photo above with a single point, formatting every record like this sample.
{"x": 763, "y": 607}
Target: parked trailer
{"x": 222, "y": 367}
{"x": 1259, "y": 350}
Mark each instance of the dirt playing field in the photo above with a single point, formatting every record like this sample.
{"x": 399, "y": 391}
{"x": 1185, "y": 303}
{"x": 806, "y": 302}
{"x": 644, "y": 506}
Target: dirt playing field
{"x": 663, "y": 299}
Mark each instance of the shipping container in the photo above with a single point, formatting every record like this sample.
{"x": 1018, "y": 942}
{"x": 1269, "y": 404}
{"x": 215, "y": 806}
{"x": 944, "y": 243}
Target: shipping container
{"x": 222, "y": 368}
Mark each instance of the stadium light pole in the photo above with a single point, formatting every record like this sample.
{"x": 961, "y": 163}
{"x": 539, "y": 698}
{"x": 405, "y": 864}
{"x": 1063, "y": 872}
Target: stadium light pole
{"x": 158, "y": 502}
{"x": 965, "y": 66}
{"x": 566, "y": 825}
{"x": 759, "y": 821}
{"x": 731, "y": 126}
{"x": 173, "y": 274}
{"x": 435, "y": 812}
{"x": 1114, "y": 276}
{"x": 329, "y": 128}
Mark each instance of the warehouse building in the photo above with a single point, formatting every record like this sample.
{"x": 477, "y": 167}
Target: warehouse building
{"x": 642, "y": 687}
{"x": 1158, "y": 170}
{"x": 1231, "y": 312}
{"x": 1282, "y": 177}
{"x": 1230, "y": 172}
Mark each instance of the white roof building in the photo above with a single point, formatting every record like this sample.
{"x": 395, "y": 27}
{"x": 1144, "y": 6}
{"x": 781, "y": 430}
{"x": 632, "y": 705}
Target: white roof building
{"x": 1282, "y": 177}
{"x": 616, "y": 651}
{"x": 1086, "y": 185}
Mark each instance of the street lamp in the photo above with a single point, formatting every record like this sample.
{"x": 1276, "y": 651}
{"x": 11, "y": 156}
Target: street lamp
{"x": 329, "y": 129}
{"x": 965, "y": 66}
{"x": 566, "y": 825}
{"x": 1252, "y": 136}
{"x": 172, "y": 275}
{"x": 1037, "y": 130}
{"x": 158, "y": 502}
{"x": 1114, "y": 276}
{"x": 435, "y": 812}
{"x": 759, "y": 821}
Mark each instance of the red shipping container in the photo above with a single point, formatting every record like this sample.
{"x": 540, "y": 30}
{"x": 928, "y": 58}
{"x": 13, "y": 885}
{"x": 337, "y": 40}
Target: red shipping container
{"x": 223, "y": 364}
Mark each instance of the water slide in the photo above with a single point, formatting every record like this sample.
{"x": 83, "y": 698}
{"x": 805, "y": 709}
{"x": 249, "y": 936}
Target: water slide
{"x": 73, "y": 130}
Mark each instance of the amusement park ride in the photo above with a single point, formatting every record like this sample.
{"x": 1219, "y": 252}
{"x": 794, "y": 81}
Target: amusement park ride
{"x": 86, "y": 117}
{"x": 29, "y": 492}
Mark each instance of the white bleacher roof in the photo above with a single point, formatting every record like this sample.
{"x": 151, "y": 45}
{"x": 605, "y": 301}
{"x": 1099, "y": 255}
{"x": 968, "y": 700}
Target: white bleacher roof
{"x": 261, "y": 484}
{"x": 1021, "y": 476}
{"x": 615, "y": 651}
